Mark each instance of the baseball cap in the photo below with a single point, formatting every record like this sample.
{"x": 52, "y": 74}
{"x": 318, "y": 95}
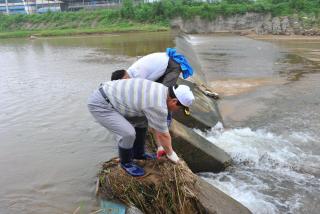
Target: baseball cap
{"x": 185, "y": 97}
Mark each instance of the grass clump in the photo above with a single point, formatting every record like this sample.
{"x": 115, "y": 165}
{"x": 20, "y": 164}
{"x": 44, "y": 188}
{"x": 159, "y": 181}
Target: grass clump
{"x": 166, "y": 187}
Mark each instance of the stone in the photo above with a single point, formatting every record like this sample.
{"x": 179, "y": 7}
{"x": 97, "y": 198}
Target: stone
{"x": 276, "y": 27}
{"x": 200, "y": 154}
{"x": 260, "y": 23}
{"x": 285, "y": 25}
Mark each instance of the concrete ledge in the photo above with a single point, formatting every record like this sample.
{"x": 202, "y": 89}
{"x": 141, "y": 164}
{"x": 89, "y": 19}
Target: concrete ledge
{"x": 216, "y": 201}
{"x": 200, "y": 154}
{"x": 204, "y": 110}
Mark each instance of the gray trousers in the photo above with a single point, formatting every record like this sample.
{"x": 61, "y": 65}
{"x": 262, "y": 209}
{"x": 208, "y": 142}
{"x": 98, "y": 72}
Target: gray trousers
{"x": 108, "y": 117}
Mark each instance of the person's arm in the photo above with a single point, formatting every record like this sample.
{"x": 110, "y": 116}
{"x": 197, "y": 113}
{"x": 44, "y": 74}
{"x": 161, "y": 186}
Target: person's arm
{"x": 165, "y": 140}
{"x": 157, "y": 119}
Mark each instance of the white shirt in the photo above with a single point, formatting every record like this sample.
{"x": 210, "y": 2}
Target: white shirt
{"x": 150, "y": 67}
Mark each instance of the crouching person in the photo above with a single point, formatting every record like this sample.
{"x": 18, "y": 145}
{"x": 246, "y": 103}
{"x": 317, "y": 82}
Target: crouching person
{"x": 115, "y": 103}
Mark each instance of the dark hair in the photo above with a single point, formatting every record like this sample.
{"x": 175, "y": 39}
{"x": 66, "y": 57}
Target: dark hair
{"x": 172, "y": 94}
{"x": 118, "y": 74}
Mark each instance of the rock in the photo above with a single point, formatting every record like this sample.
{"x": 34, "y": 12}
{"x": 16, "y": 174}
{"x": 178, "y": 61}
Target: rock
{"x": 244, "y": 33}
{"x": 264, "y": 28}
{"x": 32, "y": 37}
{"x": 247, "y": 21}
{"x": 204, "y": 110}
{"x": 260, "y": 23}
{"x": 285, "y": 25}
{"x": 199, "y": 153}
{"x": 276, "y": 27}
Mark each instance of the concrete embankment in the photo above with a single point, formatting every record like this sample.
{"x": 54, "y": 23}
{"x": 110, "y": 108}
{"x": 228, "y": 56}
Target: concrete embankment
{"x": 200, "y": 154}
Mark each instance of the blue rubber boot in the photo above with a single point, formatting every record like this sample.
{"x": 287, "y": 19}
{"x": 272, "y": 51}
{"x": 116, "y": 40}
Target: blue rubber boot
{"x": 138, "y": 146}
{"x": 127, "y": 164}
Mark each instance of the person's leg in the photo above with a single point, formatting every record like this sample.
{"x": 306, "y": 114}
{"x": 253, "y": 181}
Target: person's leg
{"x": 124, "y": 131}
{"x": 139, "y": 143}
{"x": 117, "y": 124}
{"x": 140, "y": 124}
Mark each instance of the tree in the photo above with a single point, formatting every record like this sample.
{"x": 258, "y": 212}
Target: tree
{"x": 297, "y": 4}
{"x": 238, "y": 1}
{"x": 127, "y": 10}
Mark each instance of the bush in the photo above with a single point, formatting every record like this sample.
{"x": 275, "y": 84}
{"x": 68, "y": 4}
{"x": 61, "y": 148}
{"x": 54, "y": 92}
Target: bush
{"x": 127, "y": 10}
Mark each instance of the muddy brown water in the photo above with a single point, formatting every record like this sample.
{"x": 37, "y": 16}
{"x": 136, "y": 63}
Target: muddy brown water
{"x": 51, "y": 148}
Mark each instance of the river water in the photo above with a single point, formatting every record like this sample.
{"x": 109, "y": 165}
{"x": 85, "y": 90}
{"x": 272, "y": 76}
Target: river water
{"x": 51, "y": 148}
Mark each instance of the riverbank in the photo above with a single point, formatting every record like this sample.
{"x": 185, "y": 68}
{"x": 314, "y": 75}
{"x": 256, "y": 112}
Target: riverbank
{"x": 114, "y": 28}
{"x": 283, "y": 37}
{"x": 262, "y": 17}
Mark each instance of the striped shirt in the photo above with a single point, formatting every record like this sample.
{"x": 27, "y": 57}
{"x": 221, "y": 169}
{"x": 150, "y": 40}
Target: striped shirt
{"x": 138, "y": 98}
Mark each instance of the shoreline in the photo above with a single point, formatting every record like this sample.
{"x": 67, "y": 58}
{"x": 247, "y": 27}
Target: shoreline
{"x": 282, "y": 37}
{"x": 32, "y": 34}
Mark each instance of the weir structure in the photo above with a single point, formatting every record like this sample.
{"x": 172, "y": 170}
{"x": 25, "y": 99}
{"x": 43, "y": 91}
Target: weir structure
{"x": 173, "y": 188}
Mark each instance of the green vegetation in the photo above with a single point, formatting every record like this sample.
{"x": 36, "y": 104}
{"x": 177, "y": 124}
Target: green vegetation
{"x": 118, "y": 27}
{"x": 150, "y": 16}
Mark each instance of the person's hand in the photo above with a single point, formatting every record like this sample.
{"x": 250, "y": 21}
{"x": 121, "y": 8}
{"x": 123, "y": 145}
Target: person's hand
{"x": 160, "y": 152}
{"x": 173, "y": 157}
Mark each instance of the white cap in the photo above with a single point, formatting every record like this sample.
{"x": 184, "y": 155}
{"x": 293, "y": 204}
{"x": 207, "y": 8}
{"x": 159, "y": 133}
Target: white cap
{"x": 184, "y": 95}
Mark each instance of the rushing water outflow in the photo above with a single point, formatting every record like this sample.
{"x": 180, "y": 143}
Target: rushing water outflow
{"x": 50, "y": 147}
{"x": 275, "y": 145}
{"x": 270, "y": 173}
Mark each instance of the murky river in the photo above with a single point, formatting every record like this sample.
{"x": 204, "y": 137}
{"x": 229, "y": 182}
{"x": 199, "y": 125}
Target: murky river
{"x": 50, "y": 147}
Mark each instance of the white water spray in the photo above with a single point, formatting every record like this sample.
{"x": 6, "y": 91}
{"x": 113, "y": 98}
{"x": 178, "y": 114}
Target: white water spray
{"x": 269, "y": 171}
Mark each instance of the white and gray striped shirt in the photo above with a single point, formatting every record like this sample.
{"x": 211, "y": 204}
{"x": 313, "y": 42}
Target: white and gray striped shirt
{"x": 140, "y": 97}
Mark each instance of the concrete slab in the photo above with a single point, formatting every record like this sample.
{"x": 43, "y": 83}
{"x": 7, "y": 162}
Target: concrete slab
{"x": 199, "y": 153}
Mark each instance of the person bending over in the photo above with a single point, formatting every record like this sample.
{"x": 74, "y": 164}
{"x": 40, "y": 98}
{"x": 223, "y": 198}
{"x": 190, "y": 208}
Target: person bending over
{"x": 127, "y": 107}
{"x": 163, "y": 67}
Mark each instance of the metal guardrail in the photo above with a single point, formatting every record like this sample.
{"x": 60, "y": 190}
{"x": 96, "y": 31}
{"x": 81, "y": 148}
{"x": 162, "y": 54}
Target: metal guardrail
{"x": 91, "y": 4}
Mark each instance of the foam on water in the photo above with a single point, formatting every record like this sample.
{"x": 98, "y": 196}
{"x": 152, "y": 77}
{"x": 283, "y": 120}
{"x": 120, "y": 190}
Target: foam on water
{"x": 270, "y": 173}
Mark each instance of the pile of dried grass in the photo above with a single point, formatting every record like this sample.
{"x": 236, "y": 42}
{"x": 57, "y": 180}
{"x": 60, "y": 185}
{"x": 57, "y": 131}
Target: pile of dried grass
{"x": 166, "y": 187}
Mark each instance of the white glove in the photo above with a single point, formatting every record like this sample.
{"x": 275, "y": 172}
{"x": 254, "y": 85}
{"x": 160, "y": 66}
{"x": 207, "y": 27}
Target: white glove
{"x": 160, "y": 152}
{"x": 173, "y": 157}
